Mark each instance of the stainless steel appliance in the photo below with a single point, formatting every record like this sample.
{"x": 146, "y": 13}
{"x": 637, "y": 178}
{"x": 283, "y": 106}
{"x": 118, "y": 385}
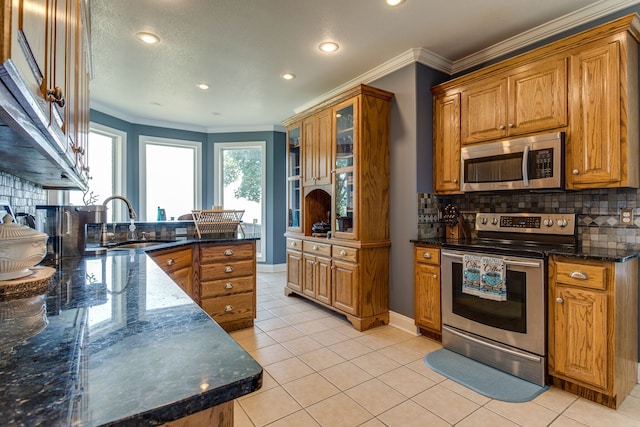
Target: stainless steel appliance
{"x": 523, "y": 163}
{"x": 66, "y": 227}
{"x": 506, "y": 332}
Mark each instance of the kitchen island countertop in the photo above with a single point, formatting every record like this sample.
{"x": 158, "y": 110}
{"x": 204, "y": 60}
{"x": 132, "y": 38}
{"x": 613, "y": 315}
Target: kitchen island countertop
{"x": 122, "y": 345}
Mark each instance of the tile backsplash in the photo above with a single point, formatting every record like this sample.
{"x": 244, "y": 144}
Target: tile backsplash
{"x": 23, "y": 196}
{"x": 598, "y": 212}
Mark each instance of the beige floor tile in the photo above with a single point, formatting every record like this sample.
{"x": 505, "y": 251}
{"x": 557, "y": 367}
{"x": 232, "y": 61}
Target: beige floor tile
{"x": 445, "y": 403}
{"x": 288, "y": 370}
{"x": 375, "y": 396}
{"x": 406, "y": 381}
{"x": 272, "y": 303}
{"x": 321, "y": 359}
{"x": 302, "y": 345}
{"x": 401, "y": 353}
{"x": 349, "y": 331}
{"x": 375, "y": 363}
{"x": 271, "y": 324}
{"x": 527, "y": 414}
{"x": 311, "y": 327}
{"x": 285, "y": 310}
{"x": 563, "y": 421}
{"x": 374, "y": 422}
{"x": 345, "y": 375}
{"x": 350, "y": 349}
{"x": 465, "y": 392}
{"x": 267, "y": 384}
{"x": 240, "y": 418}
{"x": 328, "y": 337}
{"x": 270, "y": 354}
{"x": 297, "y": 419}
{"x": 310, "y": 389}
{"x": 635, "y": 391}
{"x": 410, "y": 414}
{"x": 631, "y": 407}
{"x": 269, "y": 406}
{"x": 339, "y": 411}
{"x": 264, "y": 314}
{"x": 287, "y": 333}
{"x": 556, "y": 399}
{"x": 246, "y": 332}
{"x": 297, "y": 318}
{"x": 423, "y": 344}
{"x": 593, "y": 414}
{"x": 250, "y": 343}
{"x": 485, "y": 418}
{"x": 420, "y": 367}
{"x": 335, "y": 321}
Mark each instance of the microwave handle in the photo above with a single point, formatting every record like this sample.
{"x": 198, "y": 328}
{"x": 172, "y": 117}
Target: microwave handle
{"x": 525, "y": 166}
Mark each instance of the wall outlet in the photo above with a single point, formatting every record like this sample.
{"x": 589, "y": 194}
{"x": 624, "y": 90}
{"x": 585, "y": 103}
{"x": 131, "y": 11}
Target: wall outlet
{"x": 626, "y": 216}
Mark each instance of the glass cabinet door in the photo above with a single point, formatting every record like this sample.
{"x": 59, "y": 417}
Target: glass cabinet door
{"x": 294, "y": 188}
{"x": 345, "y": 150}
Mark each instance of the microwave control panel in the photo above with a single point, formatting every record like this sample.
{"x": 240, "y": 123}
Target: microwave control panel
{"x": 542, "y": 163}
{"x": 540, "y": 223}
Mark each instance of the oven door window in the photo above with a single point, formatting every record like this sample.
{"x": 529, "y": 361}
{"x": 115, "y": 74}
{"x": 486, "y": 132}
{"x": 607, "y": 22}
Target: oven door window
{"x": 510, "y": 315}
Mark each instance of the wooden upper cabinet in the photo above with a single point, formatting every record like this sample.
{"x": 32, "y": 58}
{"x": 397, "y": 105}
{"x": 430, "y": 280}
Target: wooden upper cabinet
{"x": 528, "y": 99}
{"x": 602, "y": 138}
{"x": 317, "y": 149}
{"x": 446, "y": 144}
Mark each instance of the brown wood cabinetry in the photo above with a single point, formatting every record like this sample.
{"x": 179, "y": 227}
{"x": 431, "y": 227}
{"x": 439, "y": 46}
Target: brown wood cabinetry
{"x": 593, "y": 334}
{"x": 176, "y": 262}
{"x": 45, "y": 93}
{"x": 427, "y": 306}
{"x": 585, "y": 85}
{"x": 350, "y": 272}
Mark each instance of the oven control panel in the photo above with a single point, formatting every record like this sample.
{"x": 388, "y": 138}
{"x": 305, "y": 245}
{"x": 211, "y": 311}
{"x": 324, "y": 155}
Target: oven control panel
{"x": 561, "y": 224}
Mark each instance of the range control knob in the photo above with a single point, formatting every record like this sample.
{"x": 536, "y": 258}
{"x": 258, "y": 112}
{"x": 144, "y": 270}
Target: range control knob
{"x": 562, "y": 223}
{"x": 483, "y": 220}
{"x": 494, "y": 221}
{"x": 548, "y": 222}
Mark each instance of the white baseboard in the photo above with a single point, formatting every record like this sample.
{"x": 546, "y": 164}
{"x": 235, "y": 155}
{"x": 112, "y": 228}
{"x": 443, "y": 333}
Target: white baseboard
{"x": 403, "y": 323}
{"x": 271, "y": 268}
{"x": 638, "y": 374}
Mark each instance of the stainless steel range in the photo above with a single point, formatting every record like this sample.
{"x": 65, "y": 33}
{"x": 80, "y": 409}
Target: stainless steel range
{"x": 494, "y": 290}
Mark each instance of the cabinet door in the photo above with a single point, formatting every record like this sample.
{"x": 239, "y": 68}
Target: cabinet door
{"x": 294, "y": 188}
{"x": 427, "y": 296}
{"x": 538, "y": 98}
{"x": 58, "y": 79}
{"x": 593, "y": 143}
{"x": 309, "y": 275}
{"x": 323, "y": 153}
{"x": 323, "y": 280}
{"x": 294, "y": 270}
{"x": 345, "y": 287}
{"x": 177, "y": 264}
{"x": 446, "y": 147}
{"x": 484, "y": 111}
{"x": 579, "y": 328}
{"x": 309, "y": 149}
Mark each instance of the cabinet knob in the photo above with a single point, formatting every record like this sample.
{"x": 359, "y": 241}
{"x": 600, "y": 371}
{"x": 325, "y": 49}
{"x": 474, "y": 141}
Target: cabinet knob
{"x": 575, "y": 172}
{"x": 170, "y": 261}
{"x": 293, "y": 244}
{"x": 581, "y": 275}
{"x": 559, "y": 300}
{"x": 228, "y": 252}
{"x": 455, "y": 181}
{"x": 343, "y": 252}
{"x": 228, "y": 308}
{"x": 315, "y": 247}
{"x": 228, "y": 269}
{"x": 426, "y": 255}
{"x": 56, "y": 96}
{"x": 435, "y": 276}
{"x": 511, "y": 125}
{"x": 501, "y": 127}
{"x": 228, "y": 285}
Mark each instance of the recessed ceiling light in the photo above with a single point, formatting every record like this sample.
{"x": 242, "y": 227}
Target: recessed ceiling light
{"x": 328, "y": 46}
{"x": 395, "y": 2}
{"x": 203, "y": 86}
{"x": 288, "y": 76}
{"x": 148, "y": 38}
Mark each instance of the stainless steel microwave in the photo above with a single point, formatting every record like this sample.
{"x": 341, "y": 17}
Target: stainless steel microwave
{"x": 523, "y": 163}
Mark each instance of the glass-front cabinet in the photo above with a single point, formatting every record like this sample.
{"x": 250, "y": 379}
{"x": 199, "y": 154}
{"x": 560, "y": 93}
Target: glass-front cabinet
{"x": 294, "y": 185}
{"x": 344, "y": 212}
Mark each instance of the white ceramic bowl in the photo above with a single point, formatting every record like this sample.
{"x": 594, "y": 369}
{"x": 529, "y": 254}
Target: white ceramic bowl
{"x": 21, "y": 248}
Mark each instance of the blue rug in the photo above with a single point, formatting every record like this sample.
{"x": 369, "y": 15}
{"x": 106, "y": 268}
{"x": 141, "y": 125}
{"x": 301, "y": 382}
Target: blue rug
{"x": 481, "y": 378}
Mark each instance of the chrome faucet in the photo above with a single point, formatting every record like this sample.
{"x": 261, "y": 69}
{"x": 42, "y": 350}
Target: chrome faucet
{"x": 132, "y": 214}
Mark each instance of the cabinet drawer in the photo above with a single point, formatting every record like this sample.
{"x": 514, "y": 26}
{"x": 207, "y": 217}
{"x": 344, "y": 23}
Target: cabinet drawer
{"x": 223, "y": 270}
{"x": 294, "y": 244}
{"x": 345, "y": 254}
{"x": 316, "y": 248}
{"x": 225, "y": 253}
{"x": 230, "y": 308}
{"x": 585, "y": 275}
{"x": 427, "y": 255}
{"x": 227, "y": 286}
{"x": 171, "y": 260}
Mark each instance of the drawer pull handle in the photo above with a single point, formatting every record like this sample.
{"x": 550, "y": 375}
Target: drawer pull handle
{"x": 228, "y": 252}
{"x": 426, "y": 255}
{"x": 315, "y": 247}
{"x": 170, "y": 261}
{"x": 579, "y": 275}
{"x": 228, "y": 285}
{"x": 559, "y": 300}
{"x": 343, "y": 252}
{"x": 228, "y": 308}
{"x": 293, "y": 244}
{"x": 228, "y": 269}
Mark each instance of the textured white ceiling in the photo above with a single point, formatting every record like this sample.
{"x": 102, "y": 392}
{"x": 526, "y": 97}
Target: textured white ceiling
{"x": 241, "y": 47}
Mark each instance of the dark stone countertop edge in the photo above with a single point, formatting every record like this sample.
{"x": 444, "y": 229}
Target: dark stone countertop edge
{"x": 599, "y": 254}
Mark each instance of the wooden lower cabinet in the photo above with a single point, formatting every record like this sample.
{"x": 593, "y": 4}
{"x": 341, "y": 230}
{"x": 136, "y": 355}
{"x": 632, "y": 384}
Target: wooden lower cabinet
{"x": 427, "y": 303}
{"x": 335, "y": 276}
{"x": 593, "y": 328}
{"x": 220, "y": 277}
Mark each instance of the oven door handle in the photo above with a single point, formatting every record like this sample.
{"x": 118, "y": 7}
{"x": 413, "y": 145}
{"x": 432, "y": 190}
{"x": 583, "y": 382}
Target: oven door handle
{"x": 533, "y": 264}
{"x": 493, "y": 346}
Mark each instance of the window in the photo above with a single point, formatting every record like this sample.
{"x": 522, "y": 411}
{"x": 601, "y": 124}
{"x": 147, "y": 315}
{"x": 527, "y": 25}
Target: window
{"x": 240, "y": 171}
{"x": 106, "y": 157}
{"x": 170, "y": 177}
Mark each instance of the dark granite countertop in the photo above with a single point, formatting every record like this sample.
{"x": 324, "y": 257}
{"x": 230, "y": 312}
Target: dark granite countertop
{"x": 121, "y": 344}
{"x": 601, "y": 254}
